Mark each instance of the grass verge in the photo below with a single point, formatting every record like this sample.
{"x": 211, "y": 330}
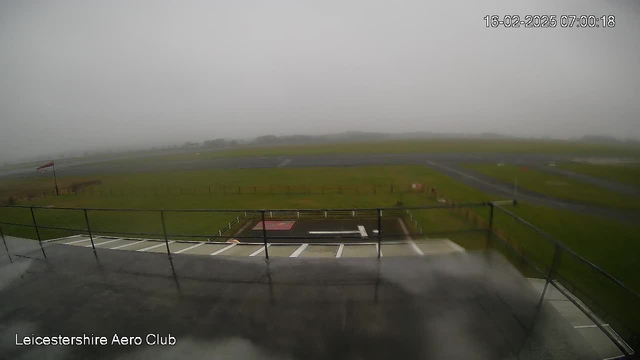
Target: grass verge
{"x": 557, "y": 186}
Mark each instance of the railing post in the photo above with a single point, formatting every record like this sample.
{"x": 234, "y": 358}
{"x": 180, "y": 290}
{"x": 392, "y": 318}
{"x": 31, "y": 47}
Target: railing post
{"x": 556, "y": 255}
{"x": 379, "y": 233}
{"x": 5, "y": 243}
{"x": 164, "y": 231}
{"x": 86, "y": 219}
{"x": 35, "y": 224}
{"x": 264, "y": 236}
{"x": 490, "y": 228}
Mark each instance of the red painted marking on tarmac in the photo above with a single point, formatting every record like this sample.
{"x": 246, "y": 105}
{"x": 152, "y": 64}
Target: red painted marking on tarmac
{"x": 274, "y": 225}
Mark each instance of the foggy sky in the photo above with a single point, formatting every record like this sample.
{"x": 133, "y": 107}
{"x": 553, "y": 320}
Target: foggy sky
{"x": 85, "y": 74}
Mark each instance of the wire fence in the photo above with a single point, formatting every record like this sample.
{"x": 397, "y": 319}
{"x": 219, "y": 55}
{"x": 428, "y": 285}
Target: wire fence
{"x": 233, "y": 189}
{"x": 584, "y": 283}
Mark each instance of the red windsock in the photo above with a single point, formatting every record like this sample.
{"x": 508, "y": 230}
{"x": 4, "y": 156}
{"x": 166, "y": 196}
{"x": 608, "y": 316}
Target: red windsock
{"x": 49, "y": 164}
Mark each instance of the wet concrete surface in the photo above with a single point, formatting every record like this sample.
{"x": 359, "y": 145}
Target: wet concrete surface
{"x": 472, "y": 305}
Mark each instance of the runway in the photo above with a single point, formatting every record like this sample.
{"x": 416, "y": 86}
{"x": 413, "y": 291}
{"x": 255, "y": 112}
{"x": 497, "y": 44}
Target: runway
{"x": 447, "y": 163}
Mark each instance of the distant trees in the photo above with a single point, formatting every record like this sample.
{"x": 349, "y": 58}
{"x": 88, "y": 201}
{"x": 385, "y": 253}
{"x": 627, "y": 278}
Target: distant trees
{"x": 216, "y": 143}
{"x": 189, "y": 145}
{"x": 219, "y": 143}
{"x": 266, "y": 139}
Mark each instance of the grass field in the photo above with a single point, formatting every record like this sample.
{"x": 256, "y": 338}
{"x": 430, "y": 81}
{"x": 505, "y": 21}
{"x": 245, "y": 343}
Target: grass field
{"x": 557, "y": 186}
{"x": 581, "y": 233}
{"x": 609, "y": 244}
{"x": 406, "y": 146}
{"x": 622, "y": 173}
{"x": 202, "y": 179}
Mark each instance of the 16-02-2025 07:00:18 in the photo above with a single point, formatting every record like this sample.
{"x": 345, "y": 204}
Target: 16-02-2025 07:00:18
{"x": 550, "y": 21}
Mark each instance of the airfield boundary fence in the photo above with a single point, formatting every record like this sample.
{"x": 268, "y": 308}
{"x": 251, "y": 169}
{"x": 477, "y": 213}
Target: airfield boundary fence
{"x": 547, "y": 258}
{"x": 102, "y": 191}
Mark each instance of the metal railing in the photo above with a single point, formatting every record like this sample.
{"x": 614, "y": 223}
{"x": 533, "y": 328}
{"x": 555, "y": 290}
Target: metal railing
{"x": 617, "y": 313}
{"x": 553, "y": 272}
{"x": 108, "y": 191}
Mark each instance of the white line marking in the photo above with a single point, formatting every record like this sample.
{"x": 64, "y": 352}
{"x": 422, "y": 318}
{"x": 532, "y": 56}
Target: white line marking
{"x": 455, "y": 246}
{"x": 588, "y": 326}
{"x": 102, "y": 243}
{"x": 259, "y": 250}
{"x": 285, "y": 162}
{"x": 334, "y": 232}
{"x": 154, "y": 246}
{"x": 222, "y": 250}
{"x": 416, "y": 248}
{"x": 77, "y": 241}
{"x": 189, "y": 248}
{"x": 340, "y": 249}
{"x": 125, "y": 245}
{"x": 363, "y": 232}
{"x": 299, "y": 250}
{"x": 64, "y": 238}
{"x": 615, "y": 357}
{"x": 411, "y": 242}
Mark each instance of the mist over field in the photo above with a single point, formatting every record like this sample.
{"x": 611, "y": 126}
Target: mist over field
{"x": 78, "y": 75}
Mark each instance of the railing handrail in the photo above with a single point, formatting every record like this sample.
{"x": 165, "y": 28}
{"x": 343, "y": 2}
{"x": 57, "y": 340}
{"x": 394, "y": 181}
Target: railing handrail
{"x": 570, "y": 251}
{"x": 427, "y": 207}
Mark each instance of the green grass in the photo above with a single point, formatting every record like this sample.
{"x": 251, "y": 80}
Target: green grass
{"x": 404, "y": 146}
{"x": 609, "y": 244}
{"x": 200, "y": 180}
{"x": 581, "y": 233}
{"x": 558, "y": 186}
{"x": 622, "y": 173}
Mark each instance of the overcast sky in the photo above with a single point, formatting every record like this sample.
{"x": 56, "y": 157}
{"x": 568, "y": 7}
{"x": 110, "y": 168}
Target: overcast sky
{"x": 86, "y": 74}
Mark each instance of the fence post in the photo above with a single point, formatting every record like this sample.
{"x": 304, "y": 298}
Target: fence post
{"x": 264, "y": 236}
{"x": 5, "y": 243}
{"x": 164, "y": 231}
{"x": 86, "y": 219}
{"x": 490, "y": 228}
{"x": 35, "y": 224}
{"x": 379, "y": 233}
{"x": 209, "y": 189}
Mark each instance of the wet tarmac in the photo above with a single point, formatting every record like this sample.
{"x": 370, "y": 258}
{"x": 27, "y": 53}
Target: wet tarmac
{"x": 471, "y": 305}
